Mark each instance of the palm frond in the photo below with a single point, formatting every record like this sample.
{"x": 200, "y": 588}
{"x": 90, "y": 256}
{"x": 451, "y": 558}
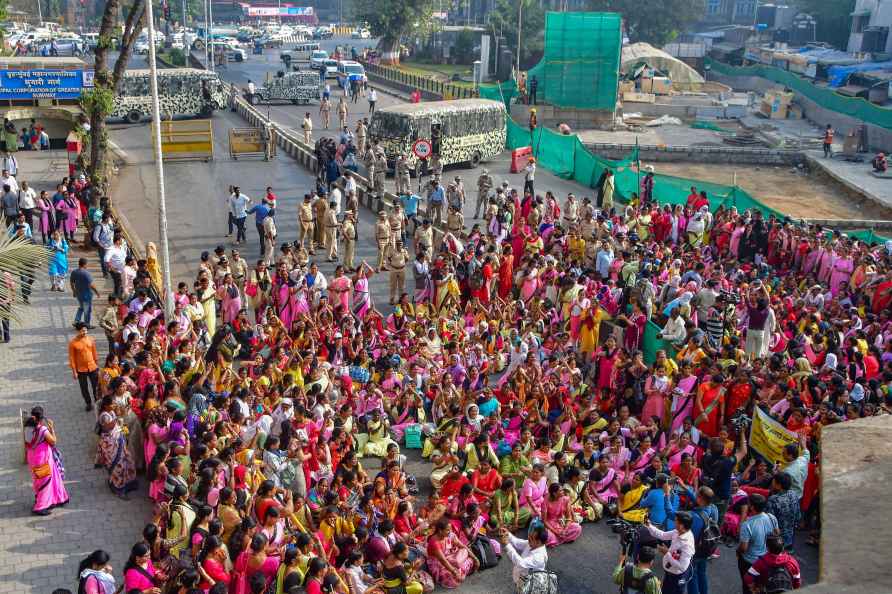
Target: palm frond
{"x": 19, "y": 257}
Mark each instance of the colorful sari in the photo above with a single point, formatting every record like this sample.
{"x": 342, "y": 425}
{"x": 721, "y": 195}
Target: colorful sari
{"x": 455, "y": 553}
{"x": 47, "y": 473}
{"x": 114, "y": 454}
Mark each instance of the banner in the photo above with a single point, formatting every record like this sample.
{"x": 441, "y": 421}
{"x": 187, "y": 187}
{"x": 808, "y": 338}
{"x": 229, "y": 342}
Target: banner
{"x": 272, "y": 11}
{"x": 768, "y": 437}
{"x": 44, "y": 84}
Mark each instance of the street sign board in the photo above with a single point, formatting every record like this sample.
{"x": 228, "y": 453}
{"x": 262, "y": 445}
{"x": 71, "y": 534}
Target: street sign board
{"x": 44, "y": 83}
{"x": 422, "y": 148}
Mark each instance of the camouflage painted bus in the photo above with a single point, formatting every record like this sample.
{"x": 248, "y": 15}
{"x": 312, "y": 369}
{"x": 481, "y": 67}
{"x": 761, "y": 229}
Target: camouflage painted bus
{"x": 181, "y": 92}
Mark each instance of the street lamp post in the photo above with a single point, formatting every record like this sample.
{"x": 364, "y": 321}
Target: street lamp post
{"x": 159, "y": 167}
{"x": 211, "y": 33}
{"x": 519, "y": 31}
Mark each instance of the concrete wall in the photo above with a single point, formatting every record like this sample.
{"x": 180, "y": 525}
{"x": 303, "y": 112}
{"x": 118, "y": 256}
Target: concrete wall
{"x": 878, "y": 139}
{"x": 699, "y": 154}
{"x": 552, "y": 116}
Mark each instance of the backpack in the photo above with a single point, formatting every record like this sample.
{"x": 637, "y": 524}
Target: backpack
{"x": 708, "y": 541}
{"x": 633, "y": 584}
{"x": 486, "y": 555}
{"x": 778, "y": 580}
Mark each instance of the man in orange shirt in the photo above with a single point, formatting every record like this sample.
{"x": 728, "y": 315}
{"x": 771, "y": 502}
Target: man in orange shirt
{"x": 83, "y": 360}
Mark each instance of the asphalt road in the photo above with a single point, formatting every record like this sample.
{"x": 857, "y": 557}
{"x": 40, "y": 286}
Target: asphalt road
{"x": 196, "y": 194}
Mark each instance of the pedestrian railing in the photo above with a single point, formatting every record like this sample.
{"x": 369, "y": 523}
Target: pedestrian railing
{"x": 407, "y": 81}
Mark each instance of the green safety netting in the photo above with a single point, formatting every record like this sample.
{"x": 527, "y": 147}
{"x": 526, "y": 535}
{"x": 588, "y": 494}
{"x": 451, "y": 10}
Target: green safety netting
{"x": 567, "y": 157}
{"x": 580, "y": 67}
{"x": 856, "y": 107}
{"x": 504, "y": 92}
{"x": 651, "y": 344}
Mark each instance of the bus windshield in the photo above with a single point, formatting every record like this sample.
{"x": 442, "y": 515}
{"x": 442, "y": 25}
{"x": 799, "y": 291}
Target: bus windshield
{"x": 389, "y": 125}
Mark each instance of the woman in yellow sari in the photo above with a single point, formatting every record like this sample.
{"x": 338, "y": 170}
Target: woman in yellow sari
{"x": 590, "y": 328}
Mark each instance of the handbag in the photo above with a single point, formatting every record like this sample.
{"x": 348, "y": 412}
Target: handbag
{"x": 41, "y": 471}
{"x": 539, "y": 582}
{"x": 251, "y": 289}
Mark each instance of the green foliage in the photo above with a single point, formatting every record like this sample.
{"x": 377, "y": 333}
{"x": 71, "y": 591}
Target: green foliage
{"x": 98, "y": 100}
{"x": 504, "y": 21}
{"x": 656, "y": 23}
{"x": 834, "y": 20}
{"x": 391, "y": 19}
{"x": 177, "y": 57}
{"x": 463, "y": 48}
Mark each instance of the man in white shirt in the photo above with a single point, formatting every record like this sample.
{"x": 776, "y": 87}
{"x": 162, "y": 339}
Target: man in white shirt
{"x": 115, "y": 259}
{"x": 529, "y": 177}
{"x": 526, "y": 555}
{"x": 10, "y": 163}
{"x": 336, "y": 198}
{"x": 238, "y": 206}
{"x": 6, "y": 179}
{"x": 251, "y": 88}
{"x": 27, "y": 203}
{"x": 674, "y": 331}
{"x": 677, "y": 556}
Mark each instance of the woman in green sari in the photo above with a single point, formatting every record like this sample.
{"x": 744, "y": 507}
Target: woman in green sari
{"x": 506, "y": 508}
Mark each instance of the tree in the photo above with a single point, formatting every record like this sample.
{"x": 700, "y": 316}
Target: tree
{"x": 19, "y": 258}
{"x": 463, "y": 48}
{"x": 834, "y": 20}
{"x": 391, "y": 20}
{"x": 98, "y": 102}
{"x": 504, "y": 22}
{"x": 657, "y": 23}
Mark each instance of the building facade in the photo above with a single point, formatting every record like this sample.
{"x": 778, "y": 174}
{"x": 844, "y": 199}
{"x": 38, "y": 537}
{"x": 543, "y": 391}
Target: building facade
{"x": 871, "y": 20}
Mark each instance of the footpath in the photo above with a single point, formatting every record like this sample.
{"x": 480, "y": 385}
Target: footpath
{"x": 39, "y": 554}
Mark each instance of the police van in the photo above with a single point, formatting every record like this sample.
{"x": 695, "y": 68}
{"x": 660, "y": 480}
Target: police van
{"x": 181, "y": 92}
{"x": 299, "y": 87}
{"x": 466, "y": 131}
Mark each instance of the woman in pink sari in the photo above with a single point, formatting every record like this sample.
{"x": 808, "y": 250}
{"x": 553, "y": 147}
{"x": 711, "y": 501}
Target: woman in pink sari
{"x": 68, "y": 215}
{"x": 283, "y": 292}
{"x": 228, "y": 293}
{"x": 557, "y": 515}
{"x": 47, "y": 473}
{"x": 683, "y": 398}
{"x": 532, "y": 494}
{"x": 362, "y": 296}
{"x": 530, "y": 283}
{"x": 448, "y": 560}
{"x": 139, "y": 573}
{"x": 339, "y": 290}
{"x": 841, "y": 271}
{"x": 47, "y": 221}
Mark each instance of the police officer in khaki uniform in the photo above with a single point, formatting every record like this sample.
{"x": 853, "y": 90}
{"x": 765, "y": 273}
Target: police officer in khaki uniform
{"x": 382, "y": 238}
{"x": 239, "y": 270}
{"x": 436, "y": 167}
{"x": 331, "y": 232}
{"x": 397, "y": 258}
{"x": 424, "y": 237}
{"x": 397, "y": 223}
{"x": 455, "y": 221}
{"x": 348, "y": 233}
{"x": 361, "y": 135}
{"x": 484, "y": 185}
{"x": 380, "y": 172}
{"x": 403, "y": 177}
{"x": 320, "y": 205}
{"x": 571, "y": 211}
{"x": 305, "y": 219}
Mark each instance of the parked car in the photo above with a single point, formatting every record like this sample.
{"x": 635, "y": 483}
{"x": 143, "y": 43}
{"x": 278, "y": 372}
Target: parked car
{"x": 361, "y": 34}
{"x": 63, "y": 46}
{"x": 322, "y": 32}
{"x": 317, "y": 57}
{"x": 331, "y": 68}
{"x": 349, "y": 71}
{"x": 141, "y": 46}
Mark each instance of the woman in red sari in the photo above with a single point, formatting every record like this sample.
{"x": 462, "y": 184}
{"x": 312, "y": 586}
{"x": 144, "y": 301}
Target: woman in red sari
{"x": 709, "y": 407}
{"x": 506, "y": 272}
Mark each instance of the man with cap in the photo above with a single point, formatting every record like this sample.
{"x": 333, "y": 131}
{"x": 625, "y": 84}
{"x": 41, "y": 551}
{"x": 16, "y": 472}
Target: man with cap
{"x": 305, "y": 219}
{"x": 382, "y": 238}
{"x": 331, "y": 232}
{"x": 380, "y": 172}
{"x": 455, "y": 195}
{"x": 348, "y": 233}
{"x": 239, "y": 267}
{"x": 397, "y": 258}
{"x": 424, "y": 237}
{"x": 571, "y": 210}
{"x": 397, "y": 223}
{"x": 320, "y": 205}
{"x": 484, "y": 185}
{"x": 361, "y": 134}
{"x": 529, "y": 176}
{"x": 403, "y": 178}
{"x": 455, "y": 221}
{"x": 436, "y": 167}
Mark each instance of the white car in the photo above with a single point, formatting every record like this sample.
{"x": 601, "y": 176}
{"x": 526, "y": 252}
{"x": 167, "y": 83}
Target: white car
{"x": 361, "y": 34}
{"x": 317, "y": 57}
{"x": 141, "y": 46}
{"x": 331, "y": 68}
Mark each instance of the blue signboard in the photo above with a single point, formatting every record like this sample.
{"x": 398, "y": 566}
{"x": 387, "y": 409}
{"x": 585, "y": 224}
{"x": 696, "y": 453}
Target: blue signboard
{"x": 44, "y": 84}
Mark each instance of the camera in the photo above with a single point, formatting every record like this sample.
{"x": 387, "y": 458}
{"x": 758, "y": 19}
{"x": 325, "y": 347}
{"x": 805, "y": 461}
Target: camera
{"x": 729, "y": 297}
{"x": 740, "y": 422}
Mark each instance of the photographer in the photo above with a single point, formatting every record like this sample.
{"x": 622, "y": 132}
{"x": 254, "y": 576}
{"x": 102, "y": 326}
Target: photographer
{"x": 661, "y": 503}
{"x": 677, "y": 556}
{"x": 717, "y": 469}
{"x": 526, "y": 555}
{"x": 637, "y": 578}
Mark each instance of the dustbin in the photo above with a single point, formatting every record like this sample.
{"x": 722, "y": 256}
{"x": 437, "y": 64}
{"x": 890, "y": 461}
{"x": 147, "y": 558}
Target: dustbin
{"x": 519, "y": 157}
